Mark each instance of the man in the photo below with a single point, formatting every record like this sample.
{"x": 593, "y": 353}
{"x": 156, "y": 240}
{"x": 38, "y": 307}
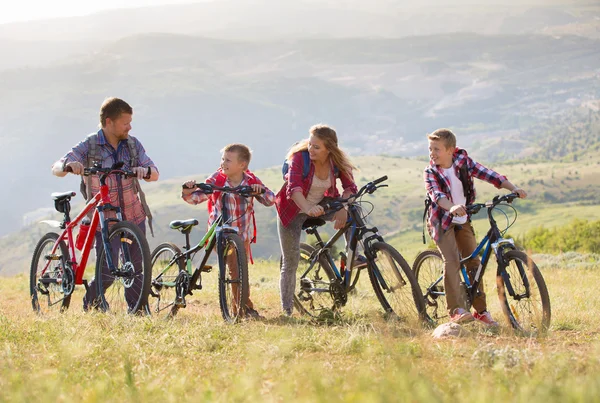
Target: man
{"x": 112, "y": 143}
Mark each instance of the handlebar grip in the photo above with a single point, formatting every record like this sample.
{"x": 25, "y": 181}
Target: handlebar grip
{"x": 382, "y": 179}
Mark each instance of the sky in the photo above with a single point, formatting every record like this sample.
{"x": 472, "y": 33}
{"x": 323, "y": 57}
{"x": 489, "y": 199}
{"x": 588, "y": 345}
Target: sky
{"x": 26, "y": 10}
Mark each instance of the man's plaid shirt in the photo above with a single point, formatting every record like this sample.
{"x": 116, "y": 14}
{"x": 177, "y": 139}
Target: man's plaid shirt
{"x": 438, "y": 186}
{"x": 132, "y": 209}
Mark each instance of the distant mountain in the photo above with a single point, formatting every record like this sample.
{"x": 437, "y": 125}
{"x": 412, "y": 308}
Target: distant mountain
{"x": 266, "y": 19}
{"x": 193, "y": 95}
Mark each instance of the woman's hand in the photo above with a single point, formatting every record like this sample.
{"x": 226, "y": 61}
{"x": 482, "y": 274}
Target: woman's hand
{"x": 315, "y": 211}
{"x": 340, "y": 218}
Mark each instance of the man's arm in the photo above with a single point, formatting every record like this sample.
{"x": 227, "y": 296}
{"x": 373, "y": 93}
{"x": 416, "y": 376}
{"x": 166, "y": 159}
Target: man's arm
{"x": 147, "y": 170}
{"x": 73, "y": 159}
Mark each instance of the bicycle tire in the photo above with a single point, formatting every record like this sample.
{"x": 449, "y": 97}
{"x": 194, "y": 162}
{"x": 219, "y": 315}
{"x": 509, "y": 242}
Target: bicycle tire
{"x": 54, "y": 271}
{"x": 428, "y": 268}
{"x": 530, "y": 315}
{"x": 162, "y": 286}
{"x": 307, "y": 300}
{"x": 118, "y": 293}
{"x": 233, "y": 299}
{"x": 407, "y": 303}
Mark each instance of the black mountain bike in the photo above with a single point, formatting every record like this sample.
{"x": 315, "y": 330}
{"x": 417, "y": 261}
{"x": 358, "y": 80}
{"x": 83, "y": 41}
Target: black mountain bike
{"x": 323, "y": 286}
{"x": 173, "y": 277}
{"x": 521, "y": 288}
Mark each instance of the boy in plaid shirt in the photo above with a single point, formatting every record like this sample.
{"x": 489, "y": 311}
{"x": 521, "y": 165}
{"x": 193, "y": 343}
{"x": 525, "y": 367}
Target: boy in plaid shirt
{"x": 448, "y": 222}
{"x": 234, "y": 172}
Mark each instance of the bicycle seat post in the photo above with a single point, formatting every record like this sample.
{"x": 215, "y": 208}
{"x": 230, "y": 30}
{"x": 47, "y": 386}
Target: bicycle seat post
{"x": 187, "y": 240}
{"x": 315, "y": 232}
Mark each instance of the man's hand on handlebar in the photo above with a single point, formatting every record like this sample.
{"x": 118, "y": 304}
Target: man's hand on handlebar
{"x": 140, "y": 172}
{"x": 74, "y": 167}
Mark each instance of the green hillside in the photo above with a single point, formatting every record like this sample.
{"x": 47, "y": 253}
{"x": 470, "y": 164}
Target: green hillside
{"x": 559, "y": 192}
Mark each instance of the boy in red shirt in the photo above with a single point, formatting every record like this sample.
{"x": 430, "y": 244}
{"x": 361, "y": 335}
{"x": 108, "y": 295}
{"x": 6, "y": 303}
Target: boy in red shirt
{"x": 234, "y": 172}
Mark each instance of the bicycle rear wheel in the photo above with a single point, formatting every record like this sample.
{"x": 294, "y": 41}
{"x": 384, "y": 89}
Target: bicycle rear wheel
{"x": 395, "y": 284}
{"x": 127, "y": 289}
{"x": 164, "y": 275}
{"x": 50, "y": 289}
{"x": 429, "y": 271}
{"x": 233, "y": 277}
{"x": 527, "y": 309}
{"x": 313, "y": 289}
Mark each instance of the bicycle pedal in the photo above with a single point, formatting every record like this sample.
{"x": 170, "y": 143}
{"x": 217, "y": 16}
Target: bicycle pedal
{"x": 206, "y": 268}
{"x": 52, "y": 257}
{"x": 180, "y": 302}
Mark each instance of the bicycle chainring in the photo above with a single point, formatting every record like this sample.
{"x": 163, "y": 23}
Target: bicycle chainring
{"x": 68, "y": 281}
{"x": 182, "y": 283}
{"x": 338, "y": 293}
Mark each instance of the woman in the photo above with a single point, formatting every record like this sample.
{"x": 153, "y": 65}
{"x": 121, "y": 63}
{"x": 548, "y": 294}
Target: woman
{"x": 300, "y": 196}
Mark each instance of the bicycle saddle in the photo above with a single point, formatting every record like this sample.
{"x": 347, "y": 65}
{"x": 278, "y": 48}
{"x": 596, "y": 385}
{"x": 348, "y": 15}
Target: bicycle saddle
{"x": 313, "y": 222}
{"x": 62, "y": 196}
{"x": 183, "y": 225}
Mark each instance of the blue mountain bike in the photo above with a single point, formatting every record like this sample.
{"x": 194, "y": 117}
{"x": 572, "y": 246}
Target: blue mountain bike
{"x": 522, "y": 291}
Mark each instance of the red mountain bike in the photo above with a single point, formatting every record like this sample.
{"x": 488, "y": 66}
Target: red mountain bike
{"x": 122, "y": 280}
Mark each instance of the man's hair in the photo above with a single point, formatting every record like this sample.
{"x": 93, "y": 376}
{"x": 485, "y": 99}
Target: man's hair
{"x": 112, "y": 108}
{"x": 244, "y": 153}
{"x": 445, "y": 135}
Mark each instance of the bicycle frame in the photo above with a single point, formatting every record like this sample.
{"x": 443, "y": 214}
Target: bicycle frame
{"x": 207, "y": 242}
{"x": 492, "y": 241}
{"x": 212, "y": 237}
{"x": 357, "y": 235}
{"x": 100, "y": 203}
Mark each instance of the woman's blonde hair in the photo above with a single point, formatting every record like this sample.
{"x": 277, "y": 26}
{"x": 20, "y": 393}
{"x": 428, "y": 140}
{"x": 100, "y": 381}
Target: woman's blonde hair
{"x": 329, "y": 138}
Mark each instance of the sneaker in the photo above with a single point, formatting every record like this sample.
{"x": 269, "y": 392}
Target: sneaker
{"x": 360, "y": 261}
{"x": 486, "y": 318}
{"x": 461, "y": 316}
{"x": 253, "y": 314}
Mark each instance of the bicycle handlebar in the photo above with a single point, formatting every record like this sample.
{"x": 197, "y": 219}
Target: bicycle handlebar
{"x": 117, "y": 169}
{"x": 368, "y": 188}
{"x": 244, "y": 190}
{"x": 474, "y": 208}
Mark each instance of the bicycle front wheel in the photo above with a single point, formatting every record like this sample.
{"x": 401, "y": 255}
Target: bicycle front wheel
{"x": 429, "y": 271}
{"x": 165, "y": 270}
{"x": 233, "y": 277}
{"x": 395, "y": 284}
{"x": 313, "y": 287}
{"x": 51, "y": 281}
{"x": 523, "y": 294}
{"x": 126, "y": 289}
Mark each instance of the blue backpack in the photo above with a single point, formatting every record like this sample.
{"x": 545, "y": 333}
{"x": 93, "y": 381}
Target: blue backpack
{"x": 306, "y": 167}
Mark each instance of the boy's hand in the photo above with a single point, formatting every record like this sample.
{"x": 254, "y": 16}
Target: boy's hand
{"x": 458, "y": 210}
{"x": 315, "y": 211}
{"x": 522, "y": 194}
{"x": 190, "y": 184}
{"x": 257, "y": 189}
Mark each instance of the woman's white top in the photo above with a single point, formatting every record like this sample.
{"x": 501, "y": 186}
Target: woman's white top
{"x": 318, "y": 189}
